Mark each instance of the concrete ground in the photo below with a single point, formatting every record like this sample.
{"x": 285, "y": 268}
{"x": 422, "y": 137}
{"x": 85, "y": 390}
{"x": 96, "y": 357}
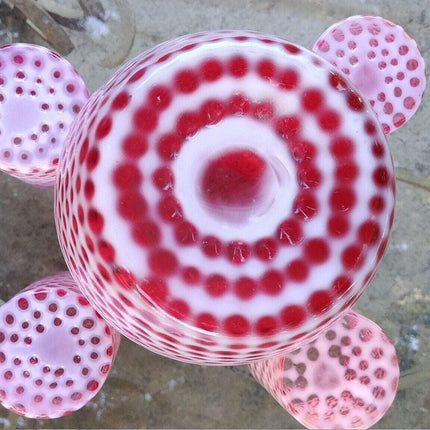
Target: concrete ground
{"x": 148, "y": 391}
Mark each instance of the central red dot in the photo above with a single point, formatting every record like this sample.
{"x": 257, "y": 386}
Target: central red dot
{"x": 234, "y": 179}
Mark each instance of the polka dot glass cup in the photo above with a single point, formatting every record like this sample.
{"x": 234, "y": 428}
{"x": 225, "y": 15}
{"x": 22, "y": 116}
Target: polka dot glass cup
{"x": 382, "y": 61}
{"x": 40, "y": 95}
{"x": 224, "y": 196}
{"x": 55, "y": 350}
{"x": 347, "y": 378}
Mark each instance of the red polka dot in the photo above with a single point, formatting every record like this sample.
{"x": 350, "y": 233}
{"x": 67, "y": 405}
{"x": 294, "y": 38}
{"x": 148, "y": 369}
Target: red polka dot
{"x": 146, "y": 233}
{"x": 288, "y": 79}
{"x": 319, "y": 302}
{"x": 162, "y": 262}
{"x": 266, "y": 69}
{"x": 104, "y": 127}
{"x": 262, "y": 111}
{"x": 297, "y": 270}
{"x": 211, "y": 70}
{"x": 93, "y": 159}
{"x": 124, "y": 278}
{"x": 414, "y": 82}
{"x": 178, "y": 309}
{"x": 103, "y": 272}
{"x": 135, "y": 145}
{"x": 188, "y": 47}
{"x": 216, "y": 285}
{"x": 95, "y": 221}
{"x": 211, "y": 246}
{"x": 10, "y": 318}
{"x": 245, "y": 288}
{"x": 145, "y": 119}
{"x": 412, "y": 64}
{"x": 288, "y": 126}
{"x": 170, "y": 209}
{"x": 137, "y": 75}
{"x": 354, "y": 101}
{"x": 131, "y": 205}
{"x": 293, "y": 316}
{"x": 238, "y": 66}
{"x": 265, "y": 249}
{"x": 238, "y": 104}
{"x": 399, "y": 119}
{"x": 317, "y": 250}
{"x": 312, "y": 99}
{"x": 369, "y": 232}
{"x": 329, "y": 120}
{"x": 292, "y": 49}
{"x": 236, "y": 325}
{"x": 341, "y": 285}
{"x": 207, "y": 322}
{"x": 212, "y": 111}
{"x": 337, "y": 81}
{"x": 163, "y": 179}
{"x": 377, "y": 204}
{"x": 305, "y": 205}
{"x": 18, "y": 59}
{"x": 168, "y": 146}
{"x": 238, "y": 252}
{"x": 388, "y": 108}
{"x": 338, "y": 225}
{"x": 352, "y": 257}
{"x": 191, "y": 275}
{"x": 309, "y": 175}
{"x": 186, "y": 81}
{"x": 159, "y": 97}
{"x": 381, "y": 176}
{"x": 127, "y": 176}
{"x": 342, "y": 199}
{"x": 92, "y": 385}
{"x": 188, "y": 124}
{"x": 23, "y": 303}
{"x": 89, "y": 243}
{"x": 370, "y": 127}
{"x": 272, "y": 282}
{"x": 121, "y": 101}
{"x": 346, "y": 172}
{"x": 155, "y": 289}
{"x": 378, "y": 148}
{"x": 186, "y": 233}
{"x": 302, "y": 150}
{"x": 89, "y": 189}
{"x": 266, "y": 326}
{"x": 106, "y": 250}
{"x": 341, "y": 147}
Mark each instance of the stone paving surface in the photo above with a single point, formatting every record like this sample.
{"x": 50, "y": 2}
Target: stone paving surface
{"x": 148, "y": 391}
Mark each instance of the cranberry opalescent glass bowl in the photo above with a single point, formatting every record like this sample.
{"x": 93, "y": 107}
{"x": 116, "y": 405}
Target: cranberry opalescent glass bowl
{"x": 224, "y": 196}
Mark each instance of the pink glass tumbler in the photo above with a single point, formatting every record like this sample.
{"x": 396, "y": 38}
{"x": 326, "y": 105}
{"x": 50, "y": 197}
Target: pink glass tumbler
{"x": 347, "y": 378}
{"x": 55, "y": 350}
{"x": 40, "y": 95}
{"x": 224, "y": 196}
